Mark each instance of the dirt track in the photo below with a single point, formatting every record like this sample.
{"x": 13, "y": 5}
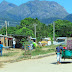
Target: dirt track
{"x": 46, "y": 64}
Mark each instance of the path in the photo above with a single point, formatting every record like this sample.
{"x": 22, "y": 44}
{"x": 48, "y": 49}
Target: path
{"x": 46, "y": 64}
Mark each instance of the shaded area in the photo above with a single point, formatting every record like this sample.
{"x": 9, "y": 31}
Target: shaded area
{"x": 67, "y": 62}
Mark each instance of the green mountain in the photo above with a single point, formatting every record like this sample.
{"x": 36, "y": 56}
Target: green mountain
{"x": 43, "y": 10}
{"x": 68, "y": 17}
{"x": 39, "y": 9}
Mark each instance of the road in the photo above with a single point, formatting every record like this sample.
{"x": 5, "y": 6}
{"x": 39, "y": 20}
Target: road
{"x": 46, "y": 64}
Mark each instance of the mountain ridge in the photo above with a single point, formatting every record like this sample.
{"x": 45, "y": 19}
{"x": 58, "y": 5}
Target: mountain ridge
{"x": 34, "y": 9}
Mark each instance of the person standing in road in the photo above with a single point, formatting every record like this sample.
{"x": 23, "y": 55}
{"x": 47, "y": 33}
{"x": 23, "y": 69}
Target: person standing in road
{"x": 59, "y": 53}
{"x": 1, "y": 46}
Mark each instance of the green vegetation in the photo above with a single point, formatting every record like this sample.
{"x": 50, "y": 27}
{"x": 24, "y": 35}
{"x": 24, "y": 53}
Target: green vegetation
{"x": 9, "y": 54}
{"x": 27, "y": 28}
{"x": 63, "y": 28}
{"x": 44, "y": 50}
{"x": 40, "y": 51}
{"x": 18, "y": 54}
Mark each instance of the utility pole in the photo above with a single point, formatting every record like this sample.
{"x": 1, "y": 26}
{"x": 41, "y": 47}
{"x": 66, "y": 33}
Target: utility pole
{"x": 35, "y": 29}
{"x": 8, "y": 23}
{"x": 6, "y": 27}
{"x": 6, "y": 34}
{"x": 53, "y": 31}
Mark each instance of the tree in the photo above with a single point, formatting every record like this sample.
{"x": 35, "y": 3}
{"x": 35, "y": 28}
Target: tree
{"x": 63, "y": 28}
{"x": 24, "y": 31}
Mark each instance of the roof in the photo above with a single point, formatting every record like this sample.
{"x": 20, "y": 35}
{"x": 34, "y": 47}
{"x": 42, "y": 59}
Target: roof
{"x": 5, "y": 36}
{"x": 17, "y": 35}
{"x": 47, "y": 38}
{"x": 61, "y": 38}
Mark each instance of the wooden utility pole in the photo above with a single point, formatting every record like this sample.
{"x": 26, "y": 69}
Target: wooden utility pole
{"x": 6, "y": 34}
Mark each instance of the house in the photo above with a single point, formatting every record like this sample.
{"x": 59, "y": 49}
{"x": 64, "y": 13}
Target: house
{"x": 6, "y": 40}
{"x": 18, "y": 38}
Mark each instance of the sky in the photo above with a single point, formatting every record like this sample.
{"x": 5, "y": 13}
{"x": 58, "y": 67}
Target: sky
{"x": 67, "y": 4}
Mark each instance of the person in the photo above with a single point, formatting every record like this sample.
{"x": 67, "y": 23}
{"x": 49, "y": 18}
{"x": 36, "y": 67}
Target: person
{"x": 34, "y": 45}
{"x": 31, "y": 44}
{"x": 28, "y": 47}
{"x": 1, "y": 46}
{"x": 14, "y": 44}
{"x": 59, "y": 53}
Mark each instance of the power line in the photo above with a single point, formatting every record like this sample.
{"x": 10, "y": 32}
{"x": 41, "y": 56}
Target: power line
{"x": 10, "y": 23}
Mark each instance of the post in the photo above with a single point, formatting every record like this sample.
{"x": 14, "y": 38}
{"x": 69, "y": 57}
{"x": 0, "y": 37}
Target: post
{"x": 6, "y": 34}
{"x": 53, "y": 31}
{"x": 6, "y": 27}
{"x": 35, "y": 29}
{"x": 8, "y": 23}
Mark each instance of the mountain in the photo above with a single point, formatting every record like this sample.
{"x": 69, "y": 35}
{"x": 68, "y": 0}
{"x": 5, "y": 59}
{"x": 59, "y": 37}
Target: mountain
{"x": 39, "y": 9}
{"x": 68, "y": 17}
{"x": 43, "y": 10}
{"x": 49, "y": 20}
{"x": 5, "y": 6}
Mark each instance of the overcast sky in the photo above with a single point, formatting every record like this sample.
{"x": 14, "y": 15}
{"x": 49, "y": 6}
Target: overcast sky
{"x": 67, "y": 4}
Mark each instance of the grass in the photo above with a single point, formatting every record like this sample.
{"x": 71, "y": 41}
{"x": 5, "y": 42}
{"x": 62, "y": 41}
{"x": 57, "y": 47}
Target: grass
{"x": 53, "y": 46}
{"x": 27, "y": 55}
{"x": 40, "y": 51}
{"x": 9, "y": 54}
{"x": 49, "y": 49}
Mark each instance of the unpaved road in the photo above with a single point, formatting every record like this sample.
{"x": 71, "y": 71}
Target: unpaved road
{"x": 46, "y": 64}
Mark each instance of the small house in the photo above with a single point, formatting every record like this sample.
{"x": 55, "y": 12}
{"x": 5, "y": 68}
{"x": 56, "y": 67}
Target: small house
{"x": 6, "y": 40}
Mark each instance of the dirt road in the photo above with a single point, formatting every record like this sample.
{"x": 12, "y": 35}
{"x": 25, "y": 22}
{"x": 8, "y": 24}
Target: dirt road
{"x": 46, "y": 64}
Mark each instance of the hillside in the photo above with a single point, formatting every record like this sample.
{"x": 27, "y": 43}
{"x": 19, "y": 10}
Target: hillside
{"x": 35, "y": 9}
{"x": 68, "y": 17}
{"x": 5, "y": 6}
{"x": 39, "y": 9}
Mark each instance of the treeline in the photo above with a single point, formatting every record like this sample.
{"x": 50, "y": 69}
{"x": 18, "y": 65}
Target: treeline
{"x": 63, "y": 28}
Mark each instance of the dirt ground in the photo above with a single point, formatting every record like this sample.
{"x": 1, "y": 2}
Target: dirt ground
{"x": 14, "y": 57}
{"x": 8, "y": 58}
{"x": 46, "y": 64}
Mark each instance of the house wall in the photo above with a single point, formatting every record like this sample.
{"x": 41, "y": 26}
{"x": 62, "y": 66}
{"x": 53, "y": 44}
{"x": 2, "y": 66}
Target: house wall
{"x": 6, "y": 41}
